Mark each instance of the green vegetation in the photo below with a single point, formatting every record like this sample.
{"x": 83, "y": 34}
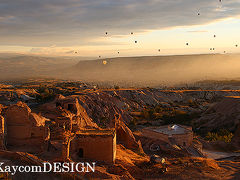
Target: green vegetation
{"x": 221, "y": 135}
{"x": 45, "y": 94}
{"x": 179, "y": 117}
{"x": 169, "y": 115}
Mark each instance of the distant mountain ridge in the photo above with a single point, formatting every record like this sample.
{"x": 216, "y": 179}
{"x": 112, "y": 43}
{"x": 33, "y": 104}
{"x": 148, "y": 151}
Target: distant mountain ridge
{"x": 22, "y": 66}
{"x": 144, "y": 71}
{"x": 158, "y": 69}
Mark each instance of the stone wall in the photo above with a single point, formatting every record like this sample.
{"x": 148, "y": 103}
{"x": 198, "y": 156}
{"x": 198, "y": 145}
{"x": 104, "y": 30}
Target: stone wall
{"x": 184, "y": 140}
{"x": 24, "y": 127}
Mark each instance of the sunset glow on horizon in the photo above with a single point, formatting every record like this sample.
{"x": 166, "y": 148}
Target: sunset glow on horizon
{"x": 77, "y": 28}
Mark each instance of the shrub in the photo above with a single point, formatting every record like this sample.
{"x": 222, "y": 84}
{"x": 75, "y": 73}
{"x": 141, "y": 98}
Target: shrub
{"x": 221, "y": 135}
{"x": 116, "y": 87}
{"x": 45, "y": 94}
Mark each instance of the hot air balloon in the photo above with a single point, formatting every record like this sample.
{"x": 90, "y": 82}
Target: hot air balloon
{"x": 104, "y": 62}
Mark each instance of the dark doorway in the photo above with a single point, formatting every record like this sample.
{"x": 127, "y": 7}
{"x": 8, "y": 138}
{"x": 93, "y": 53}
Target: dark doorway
{"x": 58, "y": 104}
{"x": 80, "y": 153}
{"x": 70, "y": 107}
{"x": 184, "y": 144}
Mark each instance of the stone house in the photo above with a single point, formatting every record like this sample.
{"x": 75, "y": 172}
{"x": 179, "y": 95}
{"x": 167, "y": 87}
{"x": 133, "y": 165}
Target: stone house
{"x": 96, "y": 145}
{"x": 172, "y": 134}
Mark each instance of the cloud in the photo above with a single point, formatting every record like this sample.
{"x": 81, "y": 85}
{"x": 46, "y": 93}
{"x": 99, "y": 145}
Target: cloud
{"x": 198, "y": 31}
{"x": 70, "y": 52}
{"x": 78, "y": 22}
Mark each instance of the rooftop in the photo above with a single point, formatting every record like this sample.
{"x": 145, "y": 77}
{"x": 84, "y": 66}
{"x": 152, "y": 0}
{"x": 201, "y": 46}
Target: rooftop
{"x": 96, "y": 132}
{"x": 171, "y": 129}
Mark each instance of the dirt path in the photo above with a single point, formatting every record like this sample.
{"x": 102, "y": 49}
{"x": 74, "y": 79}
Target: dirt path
{"x": 219, "y": 155}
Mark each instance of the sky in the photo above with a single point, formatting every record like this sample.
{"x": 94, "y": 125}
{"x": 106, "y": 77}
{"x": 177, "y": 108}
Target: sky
{"x": 78, "y": 27}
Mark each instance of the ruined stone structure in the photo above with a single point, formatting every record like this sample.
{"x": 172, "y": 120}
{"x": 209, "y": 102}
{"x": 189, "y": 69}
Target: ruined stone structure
{"x": 97, "y": 145}
{"x": 25, "y": 128}
{"x": 2, "y": 132}
{"x": 67, "y": 138}
{"x": 67, "y": 114}
{"x": 80, "y": 118}
{"x": 172, "y": 134}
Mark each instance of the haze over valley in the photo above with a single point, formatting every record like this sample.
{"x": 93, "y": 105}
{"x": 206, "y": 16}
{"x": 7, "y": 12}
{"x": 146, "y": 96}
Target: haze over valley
{"x": 143, "y": 71}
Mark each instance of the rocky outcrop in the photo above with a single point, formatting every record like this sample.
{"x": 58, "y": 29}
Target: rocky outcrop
{"x": 125, "y": 135}
{"x": 66, "y": 114}
{"x": 103, "y": 104}
{"x": 225, "y": 114}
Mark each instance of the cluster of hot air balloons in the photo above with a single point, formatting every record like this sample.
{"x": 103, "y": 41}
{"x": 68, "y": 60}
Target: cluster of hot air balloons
{"x": 212, "y": 49}
{"x": 159, "y": 50}
{"x": 106, "y": 33}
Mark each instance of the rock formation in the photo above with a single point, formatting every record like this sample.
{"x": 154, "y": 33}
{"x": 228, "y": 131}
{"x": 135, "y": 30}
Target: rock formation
{"x": 225, "y": 114}
{"x": 69, "y": 113}
{"x": 125, "y": 135}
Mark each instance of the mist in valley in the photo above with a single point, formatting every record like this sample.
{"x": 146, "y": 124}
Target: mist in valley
{"x": 157, "y": 70}
{"x": 124, "y": 71}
